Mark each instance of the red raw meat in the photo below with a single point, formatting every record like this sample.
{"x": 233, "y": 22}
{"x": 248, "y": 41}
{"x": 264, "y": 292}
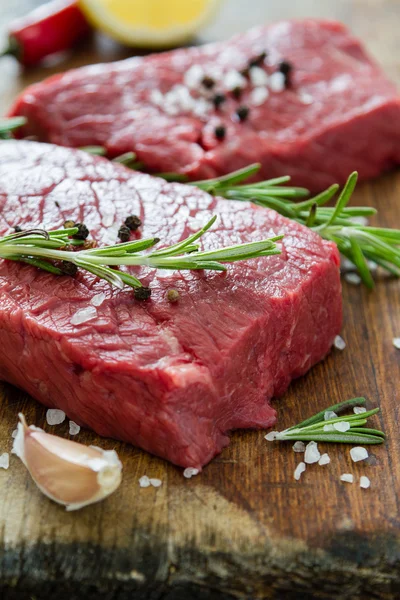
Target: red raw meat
{"x": 170, "y": 378}
{"x": 339, "y": 114}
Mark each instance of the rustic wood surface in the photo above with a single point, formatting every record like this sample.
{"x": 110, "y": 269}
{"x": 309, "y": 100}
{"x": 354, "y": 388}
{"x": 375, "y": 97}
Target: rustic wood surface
{"x": 243, "y": 528}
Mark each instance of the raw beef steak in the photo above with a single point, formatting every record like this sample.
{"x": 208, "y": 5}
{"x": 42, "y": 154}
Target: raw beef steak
{"x": 170, "y": 378}
{"x": 337, "y": 113}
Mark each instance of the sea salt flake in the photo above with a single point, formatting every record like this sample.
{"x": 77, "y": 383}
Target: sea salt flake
{"x": 156, "y": 97}
{"x": 396, "y": 343}
{"x": 155, "y": 482}
{"x": 193, "y": 76}
{"x": 342, "y": 426}
{"x": 329, "y": 427}
{"x": 74, "y": 428}
{"x": 277, "y": 82}
{"x": 299, "y": 447}
{"x": 271, "y": 436}
{"x": 144, "y": 481}
{"x": 258, "y": 96}
{"x": 258, "y": 77}
{"x": 14, "y": 433}
{"x": 358, "y": 453}
{"x": 358, "y": 410}
{"x": 98, "y": 299}
{"x": 329, "y": 414}
{"x": 346, "y": 264}
{"x": 364, "y": 482}
{"x": 4, "y": 460}
{"x": 234, "y": 79}
{"x": 339, "y": 343}
{"x": 83, "y": 315}
{"x": 306, "y": 98}
{"x": 347, "y": 477}
{"x": 353, "y": 278}
{"x": 312, "y": 454}
{"x": 190, "y": 472}
{"x": 301, "y": 467}
{"x": 324, "y": 460}
{"x": 54, "y": 416}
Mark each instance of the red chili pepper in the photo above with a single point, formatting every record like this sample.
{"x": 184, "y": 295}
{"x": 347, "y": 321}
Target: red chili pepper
{"x": 54, "y": 27}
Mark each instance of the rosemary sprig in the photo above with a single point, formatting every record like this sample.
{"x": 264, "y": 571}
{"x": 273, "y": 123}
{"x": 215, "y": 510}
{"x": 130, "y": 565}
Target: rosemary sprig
{"x": 319, "y": 429}
{"x": 8, "y": 125}
{"x": 40, "y": 248}
{"x": 357, "y": 242}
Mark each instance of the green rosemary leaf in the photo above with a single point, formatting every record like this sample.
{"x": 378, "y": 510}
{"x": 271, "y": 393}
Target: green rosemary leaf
{"x": 94, "y": 150}
{"x": 359, "y": 260}
{"x": 369, "y": 431}
{"x": 337, "y": 408}
{"x": 125, "y": 159}
{"x": 10, "y": 124}
{"x": 43, "y": 265}
{"x": 230, "y": 179}
{"x": 335, "y": 437}
{"x": 174, "y": 177}
{"x": 344, "y": 198}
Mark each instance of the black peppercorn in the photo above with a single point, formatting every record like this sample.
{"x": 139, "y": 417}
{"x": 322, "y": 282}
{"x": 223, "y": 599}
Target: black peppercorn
{"x": 133, "y": 222}
{"x": 286, "y": 68}
{"x": 82, "y": 232}
{"x": 243, "y": 112}
{"x": 124, "y": 233}
{"x": 218, "y": 99}
{"x": 245, "y": 72}
{"x": 237, "y": 92}
{"x": 208, "y": 82}
{"x": 68, "y": 268}
{"x": 258, "y": 60}
{"x": 142, "y": 293}
{"x": 172, "y": 296}
{"x": 220, "y": 132}
{"x": 17, "y": 229}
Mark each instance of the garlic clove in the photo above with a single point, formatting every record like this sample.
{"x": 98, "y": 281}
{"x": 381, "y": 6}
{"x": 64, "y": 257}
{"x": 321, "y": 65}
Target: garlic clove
{"x": 67, "y": 472}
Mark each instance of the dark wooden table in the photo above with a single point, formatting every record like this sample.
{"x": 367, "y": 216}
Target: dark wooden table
{"x": 243, "y": 528}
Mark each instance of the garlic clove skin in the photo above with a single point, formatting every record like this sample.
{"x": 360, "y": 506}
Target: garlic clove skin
{"x": 67, "y": 472}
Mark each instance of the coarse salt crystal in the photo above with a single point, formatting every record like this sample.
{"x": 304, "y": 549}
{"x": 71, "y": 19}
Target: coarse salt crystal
{"x": 258, "y": 96}
{"x": 277, "y": 82}
{"x": 54, "y": 416}
{"x": 312, "y": 454}
{"x": 358, "y": 410}
{"x": 233, "y": 79}
{"x": 324, "y": 460}
{"x": 364, "y": 482}
{"x": 306, "y": 98}
{"x": 299, "y": 447}
{"x": 258, "y": 77}
{"x": 346, "y": 264}
{"x": 329, "y": 427}
{"x": 14, "y": 433}
{"x": 201, "y": 107}
{"x": 301, "y": 467}
{"x": 329, "y": 414}
{"x": 144, "y": 481}
{"x": 156, "y": 97}
{"x": 98, "y": 299}
{"x": 83, "y": 315}
{"x": 358, "y": 453}
{"x": 396, "y": 343}
{"x": 339, "y": 343}
{"x": 347, "y": 477}
{"x": 193, "y": 76}
{"x": 4, "y": 460}
{"x": 271, "y": 436}
{"x": 155, "y": 482}
{"x": 342, "y": 426}
{"x": 353, "y": 278}
{"x": 190, "y": 472}
{"x": 74, "y": 428}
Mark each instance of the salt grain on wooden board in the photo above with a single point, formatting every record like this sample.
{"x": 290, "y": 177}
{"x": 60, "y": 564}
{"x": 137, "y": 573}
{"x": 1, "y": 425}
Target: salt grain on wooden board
{"x": 271, "y": 436}
{"x": 358, "y": 410}
{"x": 155, "y": 482}
{"x": 299, "y": 447}
{"x": 353, "y": 278}
{"x": 347, "y": 478}
{"x": 74, "y": 428}
{"x": 83, "y": 315}
{"x": 312, "y": 454}
{"x": 190, "y": 472}
{"x": 14, "y": 433}
{"x": 144, "y": 482}
{"x": 358, "y": 453}
{"x": 396, "y": 343}
{"x": 339, "y": 343}
{"x": 4, "y": 460}
{"x": 342, "y": 426}
{"x": 301, "y": 467}
{"x": 324, "y": 460}
{"x": 54, "y": 416}
{"x": 98, "y": 299}
{"x": 364, "y": 482}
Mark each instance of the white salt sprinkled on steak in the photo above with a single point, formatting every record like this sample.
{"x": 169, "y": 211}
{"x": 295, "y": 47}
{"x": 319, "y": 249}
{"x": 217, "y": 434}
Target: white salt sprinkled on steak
{"x": 98, "y": 299}
{"x": 324, "y": 460}
{"x": 54, "y": 416}
{"x": 364, "y": 482}
{"x": 190, "y": 472}
{"x": 258, "y": 77}
{"x": 339, "y": 343}
{"x": 342, "y": 426}
{"x": 155, "y": 482}
{"x": 258, "y": 96}
{"x": 193, "y": 76}
{"x": 396, "y": 343}
{"x": 144, "y": 481}
{"x": 299, "y": 447}
{"x": 301, "y": 467}
{"x": 83, "y": 315}
{"x": 347, "y": 478}
{"x": 271, "y": 436}
{"x": 358, "y": 453}
{"x": 277, "y": 82}
{"x": 74, "y": 428}
{"x": 4, "y": 460}
{"x": 306, "y": 98}
{"x": 353, "y": 278}
{"x": 358, "y": 410}
{"x": 312, "y": 454}
{"x": 156, "y": 97}
{"x": 329, "y": 414}
{"x": 234, "y": 79}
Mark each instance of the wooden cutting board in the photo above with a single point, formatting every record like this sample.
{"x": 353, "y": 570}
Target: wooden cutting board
{"x": 244, "y": 528}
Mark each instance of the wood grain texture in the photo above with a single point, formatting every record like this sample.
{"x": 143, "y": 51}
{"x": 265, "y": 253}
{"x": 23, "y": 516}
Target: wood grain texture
{"x": 243, "y": 528}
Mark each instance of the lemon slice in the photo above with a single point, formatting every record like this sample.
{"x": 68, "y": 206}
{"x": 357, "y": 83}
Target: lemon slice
{"x": 149, "y": 23}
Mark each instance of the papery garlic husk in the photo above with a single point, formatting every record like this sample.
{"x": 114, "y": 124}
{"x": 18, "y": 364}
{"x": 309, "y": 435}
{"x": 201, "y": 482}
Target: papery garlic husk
{"x": 67, "y": 472}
